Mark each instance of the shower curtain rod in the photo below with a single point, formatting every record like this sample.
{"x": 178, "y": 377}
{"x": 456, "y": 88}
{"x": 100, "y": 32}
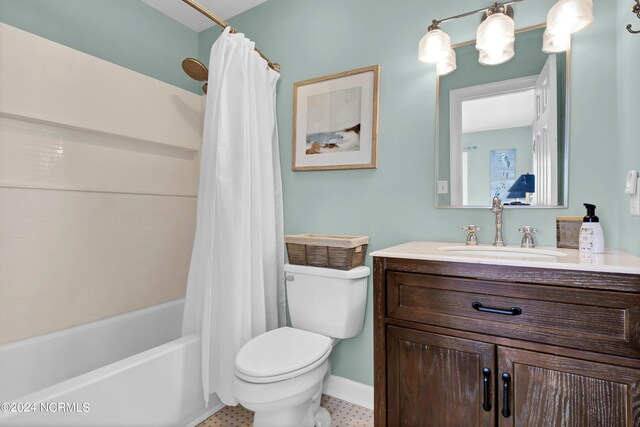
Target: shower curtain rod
{"x": 215, "y": 18}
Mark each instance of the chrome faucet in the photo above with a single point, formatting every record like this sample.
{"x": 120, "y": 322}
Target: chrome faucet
{"x": 472, "y": 239}
{"x": 527, "y": 239}
{"x": 497, "y": 208}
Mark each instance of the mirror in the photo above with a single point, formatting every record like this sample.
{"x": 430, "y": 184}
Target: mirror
{"x": 503, "y": 130}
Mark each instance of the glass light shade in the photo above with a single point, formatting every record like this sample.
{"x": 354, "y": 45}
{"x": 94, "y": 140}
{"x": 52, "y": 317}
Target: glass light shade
{"x": 555, "y": 44}
{"x": 448, "y": 64}
{"x": 495, "y": 33}
{"x": 569, "y": 16}
{"x": 434, "y": 46}
{"x": 496, "y": 57}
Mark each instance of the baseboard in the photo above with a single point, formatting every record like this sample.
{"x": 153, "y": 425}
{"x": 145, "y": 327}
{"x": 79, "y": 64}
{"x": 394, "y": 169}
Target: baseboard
{"x": 350, "y": 391}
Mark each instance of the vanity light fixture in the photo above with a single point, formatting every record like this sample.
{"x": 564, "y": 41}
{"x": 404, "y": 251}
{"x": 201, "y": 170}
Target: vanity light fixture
{"x": 495, "y": 38}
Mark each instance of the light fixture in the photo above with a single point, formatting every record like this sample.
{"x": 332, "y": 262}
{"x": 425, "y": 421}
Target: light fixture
{"x": 495, "y": 38}
{"x": 569, "y": 16}
{"x": 555, "y": 44}
{"x": 435, "y": 45}
{"x": 448, "y": 64}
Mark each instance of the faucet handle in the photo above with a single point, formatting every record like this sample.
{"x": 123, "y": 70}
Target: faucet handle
{"x": 472, "y": 239}
{"x": 527, "y": 229}
{"x": 527, "y": 239}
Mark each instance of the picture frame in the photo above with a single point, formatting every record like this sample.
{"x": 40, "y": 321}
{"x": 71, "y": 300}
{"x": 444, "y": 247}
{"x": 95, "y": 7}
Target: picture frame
{"x": 335, "y": 121}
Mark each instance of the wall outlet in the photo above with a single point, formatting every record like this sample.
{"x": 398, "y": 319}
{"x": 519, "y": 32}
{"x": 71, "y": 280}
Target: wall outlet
{"x": 443, "y": 187}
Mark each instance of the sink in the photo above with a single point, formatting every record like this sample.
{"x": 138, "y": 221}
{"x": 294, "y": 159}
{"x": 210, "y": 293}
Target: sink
{"x": 502, "y": 251}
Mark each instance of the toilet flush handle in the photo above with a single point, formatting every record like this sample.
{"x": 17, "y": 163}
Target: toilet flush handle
{"x": 289, "y": 278}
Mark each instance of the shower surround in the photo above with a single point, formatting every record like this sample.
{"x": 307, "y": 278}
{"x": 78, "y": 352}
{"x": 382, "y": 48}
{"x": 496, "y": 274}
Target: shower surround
{"x": 98, "y": 186}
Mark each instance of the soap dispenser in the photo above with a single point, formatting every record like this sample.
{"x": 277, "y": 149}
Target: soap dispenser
{"x": 591, "y": 237}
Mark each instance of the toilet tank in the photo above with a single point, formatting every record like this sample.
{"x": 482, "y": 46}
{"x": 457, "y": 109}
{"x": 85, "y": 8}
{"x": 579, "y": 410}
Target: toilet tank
{"x": 327, "y": 301}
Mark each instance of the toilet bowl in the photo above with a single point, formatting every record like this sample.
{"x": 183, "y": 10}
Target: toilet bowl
{"x": 279, "y": 375}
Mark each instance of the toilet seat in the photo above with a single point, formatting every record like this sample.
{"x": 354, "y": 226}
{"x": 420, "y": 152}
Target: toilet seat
{"x": 281, "y": 354}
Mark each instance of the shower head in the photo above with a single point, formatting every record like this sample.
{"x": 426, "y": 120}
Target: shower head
{"x": 195, "y": 69}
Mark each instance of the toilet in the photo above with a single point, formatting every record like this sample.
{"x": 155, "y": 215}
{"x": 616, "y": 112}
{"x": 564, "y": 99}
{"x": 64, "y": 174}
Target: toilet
{"x": 279, "y": 374}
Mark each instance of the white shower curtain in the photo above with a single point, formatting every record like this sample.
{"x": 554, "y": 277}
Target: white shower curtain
{"x": 235, "y": 289}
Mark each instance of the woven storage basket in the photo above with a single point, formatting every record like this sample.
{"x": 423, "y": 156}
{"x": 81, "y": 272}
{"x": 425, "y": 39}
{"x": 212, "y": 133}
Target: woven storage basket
{"x": 568, "y": 231}
{"x": 326, "y": 250}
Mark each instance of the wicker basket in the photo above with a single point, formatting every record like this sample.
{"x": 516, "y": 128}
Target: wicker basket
{"x": 325, "y": 250}
{"x": 568, "y": 231}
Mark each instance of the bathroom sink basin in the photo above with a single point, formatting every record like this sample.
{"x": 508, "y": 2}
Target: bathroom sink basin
{"x": 502, "y": 251}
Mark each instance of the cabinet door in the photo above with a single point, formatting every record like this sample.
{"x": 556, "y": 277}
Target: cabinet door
{"x": 436, "y": 380}
{"x": 546, "y": 390}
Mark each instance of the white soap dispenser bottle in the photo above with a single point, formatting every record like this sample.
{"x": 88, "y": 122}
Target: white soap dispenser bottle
{"x": 591, "y": 238}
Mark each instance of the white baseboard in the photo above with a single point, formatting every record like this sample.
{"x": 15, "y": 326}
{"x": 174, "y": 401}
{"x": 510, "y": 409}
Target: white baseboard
{"x": 350, "y": 391}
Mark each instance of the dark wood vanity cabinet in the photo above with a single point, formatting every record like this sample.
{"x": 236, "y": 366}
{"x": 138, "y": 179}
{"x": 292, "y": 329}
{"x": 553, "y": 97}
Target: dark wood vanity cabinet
{"x": 460, "y": 344}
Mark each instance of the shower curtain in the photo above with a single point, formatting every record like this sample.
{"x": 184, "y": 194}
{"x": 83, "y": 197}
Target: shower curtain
{"x": 235, "y": 289}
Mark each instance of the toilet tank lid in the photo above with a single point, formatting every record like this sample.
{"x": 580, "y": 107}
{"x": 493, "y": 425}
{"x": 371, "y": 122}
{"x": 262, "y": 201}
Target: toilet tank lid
{"x": 355, "y": 273}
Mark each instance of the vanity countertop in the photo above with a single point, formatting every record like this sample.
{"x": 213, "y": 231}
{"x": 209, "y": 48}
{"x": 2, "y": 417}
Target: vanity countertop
{"x": 613, "y": 261}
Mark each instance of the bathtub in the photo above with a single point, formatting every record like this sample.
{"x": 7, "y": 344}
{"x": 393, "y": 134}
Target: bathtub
{"x": 128, "y": 370}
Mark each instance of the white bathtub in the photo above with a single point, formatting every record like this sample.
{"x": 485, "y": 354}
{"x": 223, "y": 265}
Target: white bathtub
{"x": 127, "y": 370}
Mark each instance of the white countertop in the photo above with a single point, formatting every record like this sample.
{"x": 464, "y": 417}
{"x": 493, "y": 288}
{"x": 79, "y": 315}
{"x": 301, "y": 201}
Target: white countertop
{"x": 612, "y": 261}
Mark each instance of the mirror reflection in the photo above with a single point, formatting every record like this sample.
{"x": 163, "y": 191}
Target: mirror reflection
{"x": 501, "y": 129}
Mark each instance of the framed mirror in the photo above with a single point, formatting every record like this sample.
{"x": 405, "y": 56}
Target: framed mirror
{"x": 503, "y": 130}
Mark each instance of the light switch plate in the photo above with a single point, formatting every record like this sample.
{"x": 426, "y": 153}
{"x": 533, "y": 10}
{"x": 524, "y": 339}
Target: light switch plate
{"x": 443, "y": 187}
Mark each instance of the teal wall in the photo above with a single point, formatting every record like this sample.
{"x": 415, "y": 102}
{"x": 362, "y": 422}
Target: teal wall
{"x": 478, "y": 158}
{"x": 126, "y": 32}
{"x": 395, "y": 202}
{"x": 628, "y": 138}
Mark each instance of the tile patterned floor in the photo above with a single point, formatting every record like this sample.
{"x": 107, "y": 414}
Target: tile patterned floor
{"x": 343, "y": 414}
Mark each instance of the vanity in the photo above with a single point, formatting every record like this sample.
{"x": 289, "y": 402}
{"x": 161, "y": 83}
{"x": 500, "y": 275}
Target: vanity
{"x": 489, "y": 336}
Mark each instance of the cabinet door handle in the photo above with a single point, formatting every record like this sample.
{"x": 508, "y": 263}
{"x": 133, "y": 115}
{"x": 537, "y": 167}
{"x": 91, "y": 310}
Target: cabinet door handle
{"x": 486, "y": 377}
{"x": 513, "y": 311}
{"x": 506, "y": 381}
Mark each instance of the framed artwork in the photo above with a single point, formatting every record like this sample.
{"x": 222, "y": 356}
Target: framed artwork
{"x": 500, "y": 188}
{"x": 502, "y": 164}
{"x": 335, "y": 121}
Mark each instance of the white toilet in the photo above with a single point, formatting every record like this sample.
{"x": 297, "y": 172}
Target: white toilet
{"x": 279, "y": 374}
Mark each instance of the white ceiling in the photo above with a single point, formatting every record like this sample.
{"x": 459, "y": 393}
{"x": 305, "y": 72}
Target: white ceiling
{"x": 193, "y": 19}
{"x": 506, "y": 111}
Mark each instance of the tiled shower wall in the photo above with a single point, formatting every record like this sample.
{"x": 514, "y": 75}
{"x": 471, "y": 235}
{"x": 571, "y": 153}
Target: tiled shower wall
{"x": 98, "y": 186}
{"x": 69, "y": 257}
